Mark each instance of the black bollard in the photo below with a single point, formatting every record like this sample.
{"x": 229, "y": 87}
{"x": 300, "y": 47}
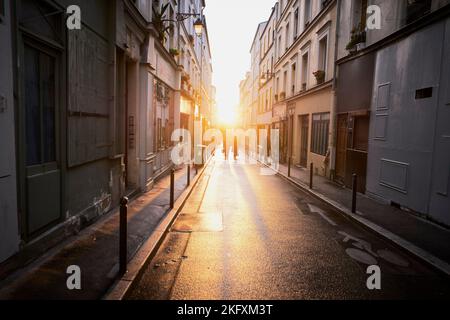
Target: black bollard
{"x": 311, "y": 173}
{"x": 354, "y": 189}
{"x": 172, "y": 188}
{"x": 123, "y": 236}
{"x": 289, "y": 167}
{"x": 188, "y": 175}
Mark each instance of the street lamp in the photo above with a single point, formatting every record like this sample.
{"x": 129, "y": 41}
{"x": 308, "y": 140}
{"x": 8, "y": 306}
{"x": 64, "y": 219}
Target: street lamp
{"x": 265, "y": 77}
{"x": 198, "y": 27}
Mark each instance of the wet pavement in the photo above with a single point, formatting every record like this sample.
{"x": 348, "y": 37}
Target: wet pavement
{"x": 95, "y": 250}
{"x": 244, "y": 234}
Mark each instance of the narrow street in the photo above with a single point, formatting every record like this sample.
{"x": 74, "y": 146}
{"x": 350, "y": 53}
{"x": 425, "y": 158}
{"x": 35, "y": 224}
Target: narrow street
{"x": 244, "y": 234}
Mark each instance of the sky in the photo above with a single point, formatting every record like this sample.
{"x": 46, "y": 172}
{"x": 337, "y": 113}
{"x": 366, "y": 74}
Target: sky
{"x": 232, "y": 26}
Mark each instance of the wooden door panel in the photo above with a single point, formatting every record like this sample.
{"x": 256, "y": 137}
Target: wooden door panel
{"x": 341, "y": 147}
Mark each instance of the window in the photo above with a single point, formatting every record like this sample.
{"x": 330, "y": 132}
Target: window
{"x": 40, "y": 16}
{"x": 323, "y": 53}
{"x": 278, "y": 87}
{"x": 280, "y": 48}
{"x": 287, "y": 36}
{"x": 40, "y": 98}
{"x": 305, "y": 62}
{"x": 415, "y": 9}
{"x": 324, "y": 3}
{"x": 320, "y": 130}
{"x": 359, "y": 19}
{"x": 293, "y": 78}
{"x": 296, "y": 24}
{"x": 307, "y": 12}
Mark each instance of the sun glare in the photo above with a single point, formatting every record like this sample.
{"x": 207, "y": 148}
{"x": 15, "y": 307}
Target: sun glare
{"x": 227, "y": 116}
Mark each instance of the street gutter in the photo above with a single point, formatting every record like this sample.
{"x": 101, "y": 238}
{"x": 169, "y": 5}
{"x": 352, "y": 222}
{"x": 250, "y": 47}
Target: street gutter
{"x": 136, "y": 267}
{"x": 399, "y": 242}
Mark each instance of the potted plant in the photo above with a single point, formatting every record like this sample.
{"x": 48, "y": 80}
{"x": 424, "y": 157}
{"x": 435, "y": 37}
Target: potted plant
{"x": 174, "y": 52}
{"x": 357, "y": 39}
{"x": 185, "y": 77}
{"x": 320, "y": 76}
{"x": 282, "y": 96}
{"x": 159, "y": 22}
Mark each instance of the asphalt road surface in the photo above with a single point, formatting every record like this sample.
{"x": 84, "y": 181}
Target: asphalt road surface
{"x": 246, "y": 234}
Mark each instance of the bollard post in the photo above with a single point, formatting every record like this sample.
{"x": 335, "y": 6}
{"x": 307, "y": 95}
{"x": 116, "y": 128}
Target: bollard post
{"x": 289, "y": 167}
{"x": 188, "y": 174}
{"x": 123, "y": 236}
{"x": 354, "y": 189}
{"x": 172, "y": 188}
{"x": 311, "y": 172}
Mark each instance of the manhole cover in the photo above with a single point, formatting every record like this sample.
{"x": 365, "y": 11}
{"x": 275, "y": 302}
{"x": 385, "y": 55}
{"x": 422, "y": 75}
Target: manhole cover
{"x": 199, "y": 222}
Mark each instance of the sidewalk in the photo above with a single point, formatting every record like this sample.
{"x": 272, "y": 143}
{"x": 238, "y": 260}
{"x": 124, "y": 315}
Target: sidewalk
{"x": 425, "y": 239}
{"x": 95, "y": 250}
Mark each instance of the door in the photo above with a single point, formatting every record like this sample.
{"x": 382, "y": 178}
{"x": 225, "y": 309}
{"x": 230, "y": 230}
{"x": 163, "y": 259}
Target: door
{"x": 40, "y": 137}
{"x": 341, "y": 147}
{"x": 304, "y": 137}
{"x": 290, "y": 136}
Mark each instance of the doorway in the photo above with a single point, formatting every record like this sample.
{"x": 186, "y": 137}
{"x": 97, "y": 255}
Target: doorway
{"x": 40, "y": 137}
{"x": 304, "y": 137}
{"x": 341, "y": 147}
{"x": 131, "y": 122}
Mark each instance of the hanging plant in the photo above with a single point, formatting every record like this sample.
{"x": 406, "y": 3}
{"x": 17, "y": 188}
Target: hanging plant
{"x": 159, "y": 22}
{"x": 174, "y": 52}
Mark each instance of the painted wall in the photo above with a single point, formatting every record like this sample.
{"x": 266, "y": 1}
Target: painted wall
{"x": 9, "y": 235}
{"x": 408, "y": 151}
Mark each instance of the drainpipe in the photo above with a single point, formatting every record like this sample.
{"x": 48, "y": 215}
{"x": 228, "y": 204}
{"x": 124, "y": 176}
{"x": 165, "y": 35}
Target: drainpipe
{"x": 333, "y": 117}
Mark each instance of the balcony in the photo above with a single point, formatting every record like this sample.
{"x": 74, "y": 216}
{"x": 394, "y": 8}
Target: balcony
{"x": 357, "y": 40}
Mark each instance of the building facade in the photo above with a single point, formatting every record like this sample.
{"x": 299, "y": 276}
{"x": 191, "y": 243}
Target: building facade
{"x": 296, "y": 57}
{"x": 245, "y": 97}
{"x": 266, "y": 60}
{"x": 344, "y": 100}
{"x": 391, "y": 129}
{"x": 94, "y": 111}
{"x": 255, "y": 65}
{"x": 304, "y": 73}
